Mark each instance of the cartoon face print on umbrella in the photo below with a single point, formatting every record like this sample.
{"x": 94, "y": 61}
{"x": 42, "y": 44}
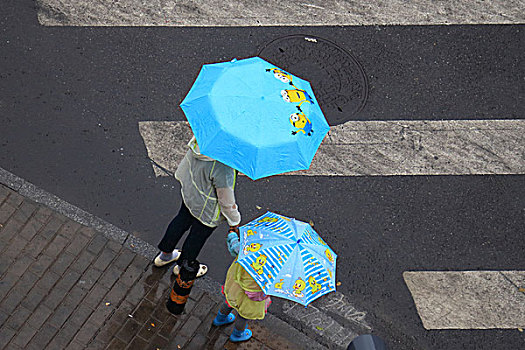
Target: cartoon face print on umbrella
{"x": 302, "y": 123}
{"x": 297, "y": 96}
{"x": 281, "y": 75}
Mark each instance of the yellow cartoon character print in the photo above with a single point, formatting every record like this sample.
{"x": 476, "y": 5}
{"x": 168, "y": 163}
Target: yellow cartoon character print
{"x": 279, "y": 285}
{"x": 298, "y": 288}
{"x": 249, "y": 233}
{"x": 329, "y": 255}
{"x": 285, "y": 218}
{"x": 267, "y": 219}
{"x": 281, "y": 75}
{"x": 258, "y": 264}
{"x": 253, "y": 247}
{"x": 302, "y": 123}
{"x": 314, "y": 285}
{"x": 296, "y": 96}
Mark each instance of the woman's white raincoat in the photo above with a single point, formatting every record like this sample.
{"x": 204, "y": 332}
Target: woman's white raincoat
{"x": 207, "y": 188}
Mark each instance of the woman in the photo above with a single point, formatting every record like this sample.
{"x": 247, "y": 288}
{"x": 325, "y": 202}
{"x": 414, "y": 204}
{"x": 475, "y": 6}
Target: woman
{"x": 207, "y": 188}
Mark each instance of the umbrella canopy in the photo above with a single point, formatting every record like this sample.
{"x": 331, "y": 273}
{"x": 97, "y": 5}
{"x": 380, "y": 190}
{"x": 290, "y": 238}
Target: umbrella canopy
{"x": 255, "y": 117}
{"x": 287, "y": 258}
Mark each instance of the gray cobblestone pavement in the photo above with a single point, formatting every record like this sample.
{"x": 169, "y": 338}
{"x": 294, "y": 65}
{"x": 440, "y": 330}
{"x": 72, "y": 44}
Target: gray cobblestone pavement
{"x": 64, "y": 285}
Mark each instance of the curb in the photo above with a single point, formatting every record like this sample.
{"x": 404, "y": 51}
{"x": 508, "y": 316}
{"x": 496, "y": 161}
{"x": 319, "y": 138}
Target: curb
{"x": 142, "y": 248}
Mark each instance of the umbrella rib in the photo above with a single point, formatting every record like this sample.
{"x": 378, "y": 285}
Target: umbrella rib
{"x": 241, "y": 80}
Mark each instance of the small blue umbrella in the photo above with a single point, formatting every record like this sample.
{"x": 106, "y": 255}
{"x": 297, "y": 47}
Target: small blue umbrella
{"x": 255, "y": 117}
{"x": 287, "y": 258}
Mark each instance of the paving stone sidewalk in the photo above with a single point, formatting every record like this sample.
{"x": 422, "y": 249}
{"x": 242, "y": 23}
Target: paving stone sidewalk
{"x": 66, "y": 286}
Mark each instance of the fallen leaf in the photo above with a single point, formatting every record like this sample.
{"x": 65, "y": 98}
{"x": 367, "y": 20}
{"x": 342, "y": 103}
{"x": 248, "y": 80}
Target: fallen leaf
{"x": 130, "y": 315}
{"x": 319, "y": 328}
{"x": 521, "y": 289}
{"x": 311, "y": 223}
{"x": 132, "y": 245}
{"x": 258, "y": 207}
{"x": 520, "y": 329}
{"x": 338, "y": 284}
{"x": 178, "y": 346}
{"x": 152, "y": 324}
{"x": 107, "y": 304}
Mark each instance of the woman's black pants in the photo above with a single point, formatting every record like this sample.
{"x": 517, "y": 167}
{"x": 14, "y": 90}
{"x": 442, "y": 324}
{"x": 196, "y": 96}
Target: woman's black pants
{"x": 193, "y": 244}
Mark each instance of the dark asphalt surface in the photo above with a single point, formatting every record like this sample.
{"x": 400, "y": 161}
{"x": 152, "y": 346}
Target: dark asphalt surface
{"x": 71, "y": 100}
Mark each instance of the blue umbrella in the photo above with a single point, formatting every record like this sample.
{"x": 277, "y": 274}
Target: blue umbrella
{"x": 255, "y": 117}
{"x": 287, "y": 258}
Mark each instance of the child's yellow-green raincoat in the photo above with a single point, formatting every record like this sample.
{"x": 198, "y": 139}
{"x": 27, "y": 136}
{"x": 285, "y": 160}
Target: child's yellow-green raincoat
{"x": 237, "y": 282}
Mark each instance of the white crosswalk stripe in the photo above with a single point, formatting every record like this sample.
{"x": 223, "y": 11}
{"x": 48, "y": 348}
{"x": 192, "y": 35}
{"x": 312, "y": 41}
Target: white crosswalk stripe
{"x": 469, "y": 299}
{"x": 277, "y": 13}
{"x": 357, "y": 148}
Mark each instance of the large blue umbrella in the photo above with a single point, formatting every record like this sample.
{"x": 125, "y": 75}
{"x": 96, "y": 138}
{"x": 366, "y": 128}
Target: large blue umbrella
{"x": 255, "y": 117}
{"x": 287, "y": 258}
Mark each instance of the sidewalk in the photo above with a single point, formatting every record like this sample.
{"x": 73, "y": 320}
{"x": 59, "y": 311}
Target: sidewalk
{"x": 66, "y": 286}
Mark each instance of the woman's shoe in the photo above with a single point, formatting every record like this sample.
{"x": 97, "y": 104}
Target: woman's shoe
{"x": 238, "y": 336}
{"x": 159, "y": 262}
{"x": 221, "y": 319}
{"x": 203, "y": 269}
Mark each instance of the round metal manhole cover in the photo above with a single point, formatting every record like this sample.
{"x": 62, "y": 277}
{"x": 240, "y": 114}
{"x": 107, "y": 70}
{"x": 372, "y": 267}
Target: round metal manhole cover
{"x": 337, "y": 78}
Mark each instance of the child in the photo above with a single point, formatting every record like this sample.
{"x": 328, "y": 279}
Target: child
{"x": 241, "y": 293}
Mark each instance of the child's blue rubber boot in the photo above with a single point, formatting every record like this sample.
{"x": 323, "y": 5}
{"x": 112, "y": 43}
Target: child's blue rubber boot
{"x": 221, "y": 319}
{"x": 238, "y": 336}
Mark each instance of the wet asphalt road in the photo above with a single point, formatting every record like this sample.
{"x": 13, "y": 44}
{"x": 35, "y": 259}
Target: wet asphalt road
{"x": 71, "y": 100}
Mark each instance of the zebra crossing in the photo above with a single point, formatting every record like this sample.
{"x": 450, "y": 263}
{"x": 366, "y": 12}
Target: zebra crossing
{"x": 357, "y": 148}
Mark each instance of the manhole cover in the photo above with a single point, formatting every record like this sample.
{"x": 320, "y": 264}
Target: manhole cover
{"x": 338, "y": 79}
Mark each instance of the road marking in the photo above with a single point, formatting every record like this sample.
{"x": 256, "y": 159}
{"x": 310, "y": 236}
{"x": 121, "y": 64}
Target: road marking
{"x": 321, "y": 318}
{"x": 468, "y": 299}
{"x": 383, "y": 148}
{"x": 276, "y": 13}
{"x": 337, "y": 303}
